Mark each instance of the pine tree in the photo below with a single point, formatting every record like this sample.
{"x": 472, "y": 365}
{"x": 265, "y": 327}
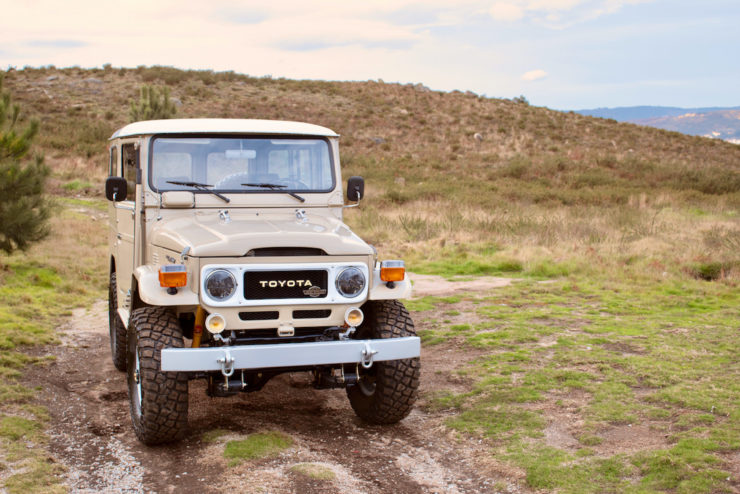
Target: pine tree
{"x": 24, "y": 209}
{"x": 153, "y": 104}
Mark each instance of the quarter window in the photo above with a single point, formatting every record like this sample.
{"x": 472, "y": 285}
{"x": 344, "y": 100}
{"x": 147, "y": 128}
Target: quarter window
{"x": 113, "y": 165}
{"x": 130, "y": 156}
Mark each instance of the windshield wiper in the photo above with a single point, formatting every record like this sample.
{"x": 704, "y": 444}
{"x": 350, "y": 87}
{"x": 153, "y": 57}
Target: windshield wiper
{"x": 199, "y": 186}
{"x": 277, "y": 187}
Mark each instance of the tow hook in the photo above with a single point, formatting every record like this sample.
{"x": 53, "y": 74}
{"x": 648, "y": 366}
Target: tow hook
{"x": 367, "y": 356}
{"x": 227, "y": 366}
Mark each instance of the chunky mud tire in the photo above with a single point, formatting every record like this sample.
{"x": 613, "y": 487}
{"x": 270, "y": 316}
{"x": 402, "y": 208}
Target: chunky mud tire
{"x": 116, "y": 328}
{"x": 387, "y": 391}
{"x": 159, "y": 400}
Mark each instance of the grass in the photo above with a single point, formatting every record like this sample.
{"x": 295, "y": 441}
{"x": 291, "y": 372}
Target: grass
{"x": 614, "y": 352}
{"x": 38, "y": 289}
{"x": 626, "y": 241}
{"x": 314, "y": 471}
{"x": 255, "y": 446}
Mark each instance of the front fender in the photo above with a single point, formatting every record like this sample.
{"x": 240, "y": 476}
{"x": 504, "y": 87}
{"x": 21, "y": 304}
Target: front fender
{"x": 151, "y": 293}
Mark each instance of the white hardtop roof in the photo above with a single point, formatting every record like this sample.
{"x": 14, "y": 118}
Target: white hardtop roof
{"x": 221, "y": 126}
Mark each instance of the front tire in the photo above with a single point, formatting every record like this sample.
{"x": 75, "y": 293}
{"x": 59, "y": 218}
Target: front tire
{"x": 387, "y": 391}
{"x": 116, "y": 329}
{"x": 158, "y": 400}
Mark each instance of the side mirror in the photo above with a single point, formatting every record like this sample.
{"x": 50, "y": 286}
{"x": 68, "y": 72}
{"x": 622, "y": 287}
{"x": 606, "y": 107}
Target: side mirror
{"x": 115, "y": 189}
{"x": 355, "y": 188}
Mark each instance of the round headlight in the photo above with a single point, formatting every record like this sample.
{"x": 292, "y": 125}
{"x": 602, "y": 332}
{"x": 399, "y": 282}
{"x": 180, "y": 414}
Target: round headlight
{"x": 220, "y": 284}
{"x": 350, "y": 282}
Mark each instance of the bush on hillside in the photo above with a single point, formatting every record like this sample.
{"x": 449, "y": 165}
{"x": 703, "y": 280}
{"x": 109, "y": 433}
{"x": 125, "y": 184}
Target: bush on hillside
{"x": 154, "y": 104}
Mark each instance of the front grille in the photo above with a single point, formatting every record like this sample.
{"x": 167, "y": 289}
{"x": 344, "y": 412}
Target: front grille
{"x": 311, "y": 314}
{"x": 266, "y": 315}
{"x": 262, "y": 285}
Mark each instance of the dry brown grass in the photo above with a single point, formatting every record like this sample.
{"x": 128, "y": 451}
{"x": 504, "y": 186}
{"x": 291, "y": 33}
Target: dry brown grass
{"x": 559, "y": 183}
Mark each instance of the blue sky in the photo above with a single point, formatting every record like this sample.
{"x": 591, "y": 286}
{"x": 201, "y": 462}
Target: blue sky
{"x": 564, "y": 54}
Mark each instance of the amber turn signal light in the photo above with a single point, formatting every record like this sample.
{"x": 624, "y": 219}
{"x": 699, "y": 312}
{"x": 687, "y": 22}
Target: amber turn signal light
{"x": 173, "y": 276}
{"x": 392, "y": 271}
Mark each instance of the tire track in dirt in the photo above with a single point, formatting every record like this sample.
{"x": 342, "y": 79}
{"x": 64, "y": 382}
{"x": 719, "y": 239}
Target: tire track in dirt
{"x": 91, "y": 434}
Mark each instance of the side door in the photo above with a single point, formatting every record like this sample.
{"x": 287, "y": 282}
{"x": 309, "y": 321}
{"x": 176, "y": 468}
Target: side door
{"x": 125, "y": 213}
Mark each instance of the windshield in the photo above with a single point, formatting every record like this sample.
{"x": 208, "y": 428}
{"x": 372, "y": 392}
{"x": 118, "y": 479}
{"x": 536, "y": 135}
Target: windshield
{"x": 241, "y": 164}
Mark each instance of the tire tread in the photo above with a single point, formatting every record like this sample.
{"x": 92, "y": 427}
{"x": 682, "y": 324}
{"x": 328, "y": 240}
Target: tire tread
{"x": 164, "y": 395}
{"x": 397, "y": 381}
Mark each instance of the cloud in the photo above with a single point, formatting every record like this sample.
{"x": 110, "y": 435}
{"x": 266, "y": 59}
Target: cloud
{"x": 316, "y": 45}
{"x": 507, "y": 12}
{"x": 320, "y": 33}
{"x": 238, "y": 15}
{"x": 556, "y": 14}
{"x": 534, "y": 75}
{"x": 56, "y": 43}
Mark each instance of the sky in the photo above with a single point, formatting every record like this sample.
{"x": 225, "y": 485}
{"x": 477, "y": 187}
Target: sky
{"x": 563, "y": 54}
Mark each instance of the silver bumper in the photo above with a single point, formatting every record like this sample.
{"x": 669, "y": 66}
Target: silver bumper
{"x": 230, "y": 358}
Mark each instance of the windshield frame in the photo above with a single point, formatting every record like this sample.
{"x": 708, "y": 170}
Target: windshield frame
{"x": 245, "y": 190}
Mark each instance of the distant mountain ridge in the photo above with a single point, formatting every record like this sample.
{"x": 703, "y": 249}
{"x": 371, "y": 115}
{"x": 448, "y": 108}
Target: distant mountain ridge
{"x": 714, "y": 122}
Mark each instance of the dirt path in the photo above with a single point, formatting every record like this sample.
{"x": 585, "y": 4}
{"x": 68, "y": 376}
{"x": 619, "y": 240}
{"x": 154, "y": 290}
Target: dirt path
{"x": 92, "y": 435}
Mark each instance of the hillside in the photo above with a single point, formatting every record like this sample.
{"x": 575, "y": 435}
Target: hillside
{"x": 442, "y": 168}
{"x": 717, "y": 123}
{"x": 636, "y": 113}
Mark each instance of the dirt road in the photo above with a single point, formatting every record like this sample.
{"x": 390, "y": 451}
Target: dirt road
{"x": 92, "y": 436}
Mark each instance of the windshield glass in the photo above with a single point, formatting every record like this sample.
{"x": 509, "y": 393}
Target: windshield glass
{"x": 226, "y": 163}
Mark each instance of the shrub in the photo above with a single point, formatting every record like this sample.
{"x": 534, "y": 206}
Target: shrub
{"x": 154, "y": 104}
{"x": 24, "y": 210}
{"x": 710, "y": 271}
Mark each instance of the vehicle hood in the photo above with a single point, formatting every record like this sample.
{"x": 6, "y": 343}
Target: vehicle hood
{"x": 210, "y": 235}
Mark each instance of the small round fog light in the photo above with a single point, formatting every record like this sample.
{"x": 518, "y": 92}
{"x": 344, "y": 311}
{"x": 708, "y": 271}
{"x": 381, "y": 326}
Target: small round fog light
{"x": 215, "y": 323}
{"x": 354, "y": 317}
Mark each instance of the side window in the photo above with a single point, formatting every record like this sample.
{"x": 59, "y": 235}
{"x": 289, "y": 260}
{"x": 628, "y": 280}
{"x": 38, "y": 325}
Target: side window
{"x": 113, "y": 165}
{"x": 130, "y": 156}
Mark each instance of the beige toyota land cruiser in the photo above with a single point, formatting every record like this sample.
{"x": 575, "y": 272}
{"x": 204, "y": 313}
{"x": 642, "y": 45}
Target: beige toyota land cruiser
{"x": 229, "y": 262}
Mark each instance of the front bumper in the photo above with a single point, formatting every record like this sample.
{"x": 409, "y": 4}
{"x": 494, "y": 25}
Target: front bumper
{"x": 251, "y": 357}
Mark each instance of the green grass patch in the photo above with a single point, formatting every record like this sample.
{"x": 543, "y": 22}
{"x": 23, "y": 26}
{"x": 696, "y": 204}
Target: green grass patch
{"x": 314, "y": 471}
{"x": 259, "y": 445}
{"x": 15, "y": 428}
{"x": 654, "y": 353}
{"x": 77, "y": 185}
{"x": 429, "y": 303}
{"x": 213, "y": 436}
{"x": 39, "y": 476}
